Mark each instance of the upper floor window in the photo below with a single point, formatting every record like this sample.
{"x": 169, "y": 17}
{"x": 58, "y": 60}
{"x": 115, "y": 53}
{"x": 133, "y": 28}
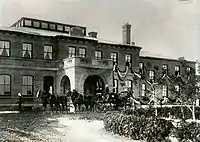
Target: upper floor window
{"x": 98, "y": 54}
{"x": 143, "y": 89}
{"x": 48, "y": 52}
{"x": 27, "y": 22}
{"x": 5, "y": 84}
{"x": 36, "y": 24}
{"x": 27, "y": 50}
{"x": 4, "y": 48}
{"x": 115, "y": 85}
{"x": 114, "y": 57}
{"x": 44, "y": 25}
{"x": 82, "y": 52}
{"x": 27, "y": 85}
{"x": 72, "y": 52}
{"x": 67, "y": 29}
{"x": 151, "y": 75}
{"x": 128, "y": 59}
{"x": 177, "y": 70}
{"x": 52, "y": 26}
{"x": 60, "y": 27}
{"x": 164, "y": 90}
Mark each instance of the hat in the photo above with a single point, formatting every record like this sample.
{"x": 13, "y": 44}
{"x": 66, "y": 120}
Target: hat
{"x": 19, "y": 94}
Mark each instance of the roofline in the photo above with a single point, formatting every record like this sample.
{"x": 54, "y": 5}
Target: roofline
{"x": 52, "y": 22}
{"x": 158, "y": 58}
{"x": 118, "y": 44}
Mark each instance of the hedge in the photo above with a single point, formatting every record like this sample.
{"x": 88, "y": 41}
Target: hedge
{"x": 138, "y": 128}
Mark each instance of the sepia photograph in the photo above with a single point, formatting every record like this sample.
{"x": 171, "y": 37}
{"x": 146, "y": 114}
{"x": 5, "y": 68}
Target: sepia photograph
{"x": 99, "y": 70}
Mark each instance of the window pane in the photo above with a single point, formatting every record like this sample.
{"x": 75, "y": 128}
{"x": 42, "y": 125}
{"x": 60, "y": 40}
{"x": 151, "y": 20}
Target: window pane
{"x": 1, "y": 90}
{"x": 7, "y": 79}
{"x": 1, "y": 79}
{"x": 47, "y": 52}
{"x": 52, "y": 26}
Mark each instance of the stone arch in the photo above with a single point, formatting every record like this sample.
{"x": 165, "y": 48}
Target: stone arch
{"x": 65, "y": 84}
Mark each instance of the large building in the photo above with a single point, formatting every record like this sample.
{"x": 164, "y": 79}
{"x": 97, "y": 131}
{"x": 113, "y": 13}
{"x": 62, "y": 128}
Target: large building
{"x": 43, "y": 55}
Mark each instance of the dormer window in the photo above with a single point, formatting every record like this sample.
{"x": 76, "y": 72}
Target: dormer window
{"x": 36, "y": 24}
{"x": 60, "y": 27}
{"x": 27, "y": 22}
{"x": 52, "y": 26}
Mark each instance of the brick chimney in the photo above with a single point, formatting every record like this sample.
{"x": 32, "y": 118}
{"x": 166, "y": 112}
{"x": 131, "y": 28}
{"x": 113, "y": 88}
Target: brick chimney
{"x": 93, "y": 34}
{"x": 126, "y": 33}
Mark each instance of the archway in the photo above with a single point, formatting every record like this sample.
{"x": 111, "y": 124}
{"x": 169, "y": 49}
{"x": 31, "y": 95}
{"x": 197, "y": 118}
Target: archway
{"x": 94, "y": 83}
{"x": 47, "y": 83}
{"x": 65, "y": 84}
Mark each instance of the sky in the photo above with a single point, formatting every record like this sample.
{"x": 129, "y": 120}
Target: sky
{"x": 165, "y": 27}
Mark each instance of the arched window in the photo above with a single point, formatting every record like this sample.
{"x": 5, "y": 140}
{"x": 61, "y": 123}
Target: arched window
{"x": 27, "y": 85}
{"x": 5, "y": 84}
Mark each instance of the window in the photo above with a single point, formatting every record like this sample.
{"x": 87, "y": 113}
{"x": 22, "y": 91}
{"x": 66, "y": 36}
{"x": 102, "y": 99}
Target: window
{"x": 27, "y": 50}
{"x": 177, "y": 70}
{"x": 22, "y": 23}
{"x": 4, "y": 48}
{"x": 48, "y": 52}
{"x": 36, "y": 24}
{"x": 128, "y": 59}
{"x": 115, "y": 86}
{"x": 82, "y": 52}
{"x": 27, "y": 22}
{"x": 177, "y": 88}
{"x": 59, "y": 27}
{"x": 67, "y": 29}
{"x": 141, "y": 66}
{"x": 114, "y": 57}
{"x": 44, "y": 25}
{"x": 5, "y": 85}
{"x": 52, "y": 26}
{"x": 143, "y": 89}
{"x": 128, "y": 84}
{"x": 151, "y": 75}
{"x": 27, "y": 85}
{"x": 164, "y": 90}
{"x": 98, "y": 54}
{"x": 72, "y": 52}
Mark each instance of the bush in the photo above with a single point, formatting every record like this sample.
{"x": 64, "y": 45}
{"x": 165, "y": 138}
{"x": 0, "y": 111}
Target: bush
{"x": 138, "y": 128}
{"x": 188, "y": 131}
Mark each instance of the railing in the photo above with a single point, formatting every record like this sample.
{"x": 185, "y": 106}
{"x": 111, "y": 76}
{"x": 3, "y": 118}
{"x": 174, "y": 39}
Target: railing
{"x": 85, "y": 62}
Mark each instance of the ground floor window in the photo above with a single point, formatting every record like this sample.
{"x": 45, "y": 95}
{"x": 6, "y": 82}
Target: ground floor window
{"x": 5, "y": 85}
{"x": 164, "y": 90}
{"x": 115, "y": 86}
{"x": 27, "y": 85}
{"x": 143, "y": 89}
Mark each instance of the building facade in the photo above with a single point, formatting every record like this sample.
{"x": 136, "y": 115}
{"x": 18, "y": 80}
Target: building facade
{"x": 44, "y": 55}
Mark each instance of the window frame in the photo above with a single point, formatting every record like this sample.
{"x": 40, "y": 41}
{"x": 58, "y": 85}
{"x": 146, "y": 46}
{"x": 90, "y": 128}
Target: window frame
{"x": 80, "y": 55}
{"x": 48, "y": 45}
{"x": 115, "y": 60}
{"x": 143, "y": 93}
{"x": 97, "y": 57}
{"x": 27, "y": 85}
{"x": 70, "y": 54}
{"x": 9, "y": 49}
{"x": 152, "y": 75}
{"x": 115, "y": 85}
{"x": 126, "y": 55}
{"x": 4, "y": 85}
{"x": 35, "y": 24}
{"x": 31, "y": 53}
